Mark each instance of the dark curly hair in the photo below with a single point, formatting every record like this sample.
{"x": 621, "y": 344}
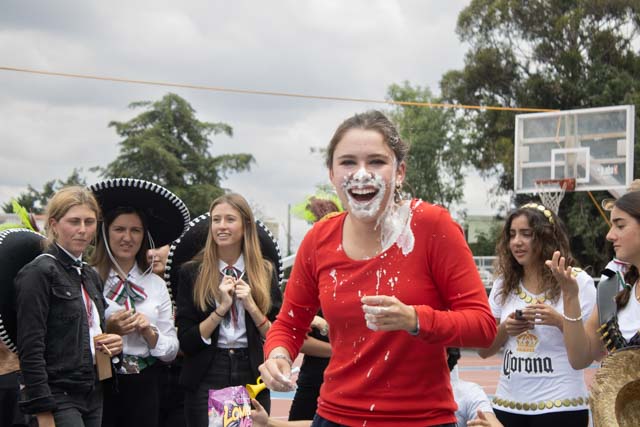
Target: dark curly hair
{"x": 630, "y": 204}
{"x": 549, "y": 235}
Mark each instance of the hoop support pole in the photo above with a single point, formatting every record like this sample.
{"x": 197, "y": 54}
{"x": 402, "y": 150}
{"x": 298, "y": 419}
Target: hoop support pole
{"x": 593, "y": 199}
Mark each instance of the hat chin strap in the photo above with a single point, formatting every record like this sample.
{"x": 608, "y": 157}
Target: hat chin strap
{"x": 145, "y": 273}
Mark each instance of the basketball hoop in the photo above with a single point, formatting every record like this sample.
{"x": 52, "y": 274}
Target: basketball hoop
{"x": 551, "y": 191}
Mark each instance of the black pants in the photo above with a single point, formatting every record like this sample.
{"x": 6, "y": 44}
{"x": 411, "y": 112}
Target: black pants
{"x": 227, "y": 369}
{"x": 134, "y": 403}
{"x": 171, "y": 411}
{"x": 10, "y": 414}
{"x": 318, "y": 421}
{"x": 78, "y": 409}
{"x": 565, "y": 419}
{"x": 305, "y": 401}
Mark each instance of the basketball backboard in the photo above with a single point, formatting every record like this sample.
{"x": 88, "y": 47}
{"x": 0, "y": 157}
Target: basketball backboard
{"x": 594, "y": 146}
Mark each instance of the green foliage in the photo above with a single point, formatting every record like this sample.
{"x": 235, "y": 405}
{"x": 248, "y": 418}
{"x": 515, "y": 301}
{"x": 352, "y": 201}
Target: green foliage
{"x": 436, "y": 155}
{"x": 168, "y": 145}
{"x": 485, "y": 244}
{"x": 558, "y": 54}
{"x": 35, "y": 201}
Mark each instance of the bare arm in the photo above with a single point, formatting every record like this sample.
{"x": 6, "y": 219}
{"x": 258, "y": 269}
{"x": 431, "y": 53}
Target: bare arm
{"x": 260, "y": 418}
{"x": 485, "y": 419}
{"x": 498, "y": 342}
{"x": 581, "y": 340}
{"x": 315, "y": 347}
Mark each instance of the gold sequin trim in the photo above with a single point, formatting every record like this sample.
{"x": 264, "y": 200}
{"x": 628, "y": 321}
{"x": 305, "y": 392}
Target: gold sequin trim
{"x": 539, "y": 406}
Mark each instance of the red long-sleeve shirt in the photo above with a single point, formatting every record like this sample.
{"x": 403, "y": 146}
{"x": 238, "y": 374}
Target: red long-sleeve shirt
{"x": 387, "y": 378}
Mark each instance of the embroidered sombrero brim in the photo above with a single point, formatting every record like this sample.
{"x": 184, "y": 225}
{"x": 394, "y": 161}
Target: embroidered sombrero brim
{"x": 615, "y": 391}
{"x": 167, "y": 215}
{"x": 18, "y": 247}
{"x": 194, "y": 239}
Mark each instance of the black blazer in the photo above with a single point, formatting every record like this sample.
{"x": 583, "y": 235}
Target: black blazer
{"x": 197, "y": 354}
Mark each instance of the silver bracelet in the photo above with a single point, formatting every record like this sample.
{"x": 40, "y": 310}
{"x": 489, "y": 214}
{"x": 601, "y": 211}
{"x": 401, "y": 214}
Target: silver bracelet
{"x": 282, "y": 356}
{"x": 571, "y": 319}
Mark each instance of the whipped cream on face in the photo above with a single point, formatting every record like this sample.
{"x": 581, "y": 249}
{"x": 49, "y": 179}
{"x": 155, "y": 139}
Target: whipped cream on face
{"x": 363, "y": 182}
{"x": 394, "y": 222}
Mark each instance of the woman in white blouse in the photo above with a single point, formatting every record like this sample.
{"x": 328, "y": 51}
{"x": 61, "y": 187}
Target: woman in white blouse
{"x": 140, "y": 311}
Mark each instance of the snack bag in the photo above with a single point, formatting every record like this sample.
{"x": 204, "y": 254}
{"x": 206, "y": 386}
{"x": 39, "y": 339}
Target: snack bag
{"x": 230, "y": 407}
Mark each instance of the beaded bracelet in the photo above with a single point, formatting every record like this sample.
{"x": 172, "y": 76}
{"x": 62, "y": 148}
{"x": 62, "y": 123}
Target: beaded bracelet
{"x": 571, "y": 319}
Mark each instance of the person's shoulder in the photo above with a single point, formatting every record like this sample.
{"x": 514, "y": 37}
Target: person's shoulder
{"x": 582, "y": 277}
{"x": 427, "y": 211}
{"x": 326, "y": 226}
{"x": 329, "y": 220}
{"x": 471, "y": 387}
{"x": 189, "y": 269}
{"x": 44, "y": 262}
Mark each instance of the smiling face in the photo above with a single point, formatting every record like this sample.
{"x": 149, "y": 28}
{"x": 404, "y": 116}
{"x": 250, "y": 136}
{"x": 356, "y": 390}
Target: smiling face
{"x": 625, "y": 236}
{"x": 227, "y": 229}
{"x": 521, "y": 240}
{"x": 365, "y": 173}
{"x": 126, "y": 234}
{"x": 75, "y": 229}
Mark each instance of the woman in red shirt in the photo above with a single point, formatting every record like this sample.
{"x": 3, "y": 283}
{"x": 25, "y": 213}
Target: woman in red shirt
{"x": 397, "y": 284}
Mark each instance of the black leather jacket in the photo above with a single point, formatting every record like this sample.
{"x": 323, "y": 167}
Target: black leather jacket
{"x": 53, "y": 333}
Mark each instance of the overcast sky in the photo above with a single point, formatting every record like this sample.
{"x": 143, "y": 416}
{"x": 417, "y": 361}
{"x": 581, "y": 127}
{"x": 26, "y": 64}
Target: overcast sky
{"x": 342, "y": 48}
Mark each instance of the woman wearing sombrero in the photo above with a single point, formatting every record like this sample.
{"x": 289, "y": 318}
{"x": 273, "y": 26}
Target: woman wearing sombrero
{"x": 227, "y": 297}
{"x": 137, "y": 215}
{"x": 614, "y": 324}
{"x": 60, "y": 319}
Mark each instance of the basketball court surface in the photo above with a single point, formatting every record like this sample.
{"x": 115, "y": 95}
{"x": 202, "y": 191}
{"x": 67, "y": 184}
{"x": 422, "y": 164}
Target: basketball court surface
{"x": 472, "y": 367}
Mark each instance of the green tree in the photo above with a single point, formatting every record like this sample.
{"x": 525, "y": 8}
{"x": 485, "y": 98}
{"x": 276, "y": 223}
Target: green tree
{"x": 35, "y": 201}
{"x": 485, "y": 244}
{"x": 168, "y": 145}
{"x": 558, "y": 54}
{"x": 436, "y": 156}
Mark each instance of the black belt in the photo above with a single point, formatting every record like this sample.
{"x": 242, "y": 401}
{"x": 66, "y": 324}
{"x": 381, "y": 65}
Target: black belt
{"x": 235, "y": 351}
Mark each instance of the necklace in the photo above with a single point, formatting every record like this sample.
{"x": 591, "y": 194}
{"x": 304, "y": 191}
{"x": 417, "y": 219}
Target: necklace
{"x": 529, "y": 299}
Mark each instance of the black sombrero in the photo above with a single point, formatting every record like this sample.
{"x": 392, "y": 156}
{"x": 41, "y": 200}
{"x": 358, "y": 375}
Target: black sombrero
{"x": 166, "y": 214}
{"x": 18, "y": 247}
{"x": 194, "y": 239}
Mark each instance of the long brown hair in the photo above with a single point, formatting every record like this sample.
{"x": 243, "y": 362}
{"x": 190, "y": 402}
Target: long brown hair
{"x": 630, "y": 204}
{"x": 549, "y": 235}
{"x": 100, "y": 258}
{"x": 258, "y": 270}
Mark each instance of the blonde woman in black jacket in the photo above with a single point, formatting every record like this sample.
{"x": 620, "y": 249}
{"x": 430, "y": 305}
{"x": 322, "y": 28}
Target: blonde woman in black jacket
{"x": 60, "y": 317}
{"x": 228, "y": 296}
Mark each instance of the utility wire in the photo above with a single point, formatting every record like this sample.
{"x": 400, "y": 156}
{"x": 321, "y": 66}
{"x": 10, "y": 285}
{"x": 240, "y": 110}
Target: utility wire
{"x": 271, "y": 93}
